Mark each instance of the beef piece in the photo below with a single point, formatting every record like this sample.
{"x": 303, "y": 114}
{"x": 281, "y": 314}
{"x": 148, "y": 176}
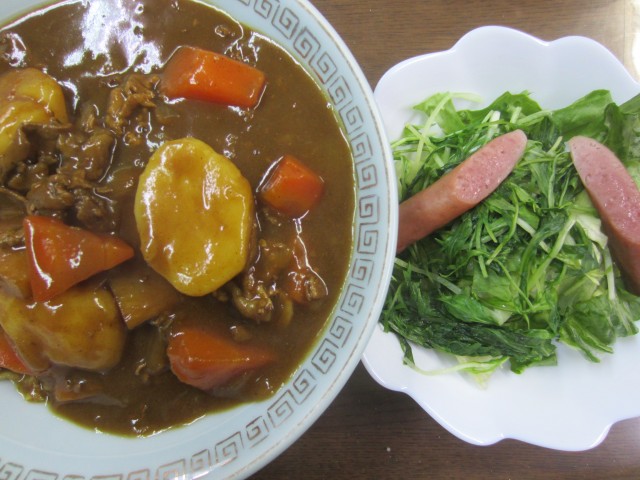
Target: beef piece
{"x": 253, "y": 293}
{"x": 63, "y": 193}
{"x": 86, "y": 152}
{"x": 94, "y": 212}
{"x": 136, "y": 91}
{"x": 254, "y": 304}
{"x": 53, "y": 192}
{"x": 34, "y": 144}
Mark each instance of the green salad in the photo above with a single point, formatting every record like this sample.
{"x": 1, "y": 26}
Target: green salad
{"x": 527, "y": 268}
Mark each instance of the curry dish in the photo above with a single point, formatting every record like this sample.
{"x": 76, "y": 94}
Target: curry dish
{"x": 176, "y": 211}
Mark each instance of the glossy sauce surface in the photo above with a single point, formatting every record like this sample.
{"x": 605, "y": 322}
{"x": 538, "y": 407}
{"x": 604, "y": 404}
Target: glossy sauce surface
{"x": 369, "y": 431}
{"x": 104, "y": 42}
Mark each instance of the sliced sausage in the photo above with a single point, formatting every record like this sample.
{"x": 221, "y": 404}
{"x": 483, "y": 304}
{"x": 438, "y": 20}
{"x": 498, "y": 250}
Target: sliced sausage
{"x": 459, "y": 190}
{"x": 617, "y": 199}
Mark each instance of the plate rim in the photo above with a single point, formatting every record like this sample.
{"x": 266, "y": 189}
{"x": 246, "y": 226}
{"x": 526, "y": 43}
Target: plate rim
{"x": 372, "y": 356}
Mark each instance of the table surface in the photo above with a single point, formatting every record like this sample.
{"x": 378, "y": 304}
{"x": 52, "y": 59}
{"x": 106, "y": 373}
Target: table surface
{"x": 370, "y": 432}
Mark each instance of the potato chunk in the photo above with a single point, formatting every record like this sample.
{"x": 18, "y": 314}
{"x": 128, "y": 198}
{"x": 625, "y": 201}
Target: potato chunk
{"x": 40, "y": 88}
{"x": 14, "y": 273}
{"x": 27, "y": 96}
{"x": 141, "y": 294}
{"x": 79, "y": 328}
{"x": 14, "y": 114}
{"x": 194, "y": 214}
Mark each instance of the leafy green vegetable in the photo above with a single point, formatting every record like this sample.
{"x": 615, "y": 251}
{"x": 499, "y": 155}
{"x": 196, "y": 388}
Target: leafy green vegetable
{"x": 529, "y": 266}
{"x": 584, "y": 117}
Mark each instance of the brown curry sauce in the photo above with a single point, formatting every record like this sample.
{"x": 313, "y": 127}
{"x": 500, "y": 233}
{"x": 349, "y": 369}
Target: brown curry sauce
{"x": 92, "y": 48}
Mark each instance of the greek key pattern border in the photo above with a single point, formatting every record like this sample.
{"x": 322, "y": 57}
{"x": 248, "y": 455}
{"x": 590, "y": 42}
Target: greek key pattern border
{"x": 310, "y": 51}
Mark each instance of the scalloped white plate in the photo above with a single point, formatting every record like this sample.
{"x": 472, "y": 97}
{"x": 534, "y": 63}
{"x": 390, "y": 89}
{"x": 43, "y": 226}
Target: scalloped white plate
{"x": 35, "y": 444}
{"x": 567, "y": 407}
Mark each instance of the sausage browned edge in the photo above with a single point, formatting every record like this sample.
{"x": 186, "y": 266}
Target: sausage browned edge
{"x": 459, "y": 190}
{"x": 617, "y": 199}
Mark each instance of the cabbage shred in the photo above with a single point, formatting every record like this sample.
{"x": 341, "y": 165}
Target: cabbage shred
{"x": 529, "y": 267}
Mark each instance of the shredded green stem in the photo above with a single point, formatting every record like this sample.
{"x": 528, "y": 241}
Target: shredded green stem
{"x": 530, "y": 266}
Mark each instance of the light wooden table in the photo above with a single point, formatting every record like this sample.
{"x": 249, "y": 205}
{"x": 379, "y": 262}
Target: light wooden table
{"x": 369, "y": 432}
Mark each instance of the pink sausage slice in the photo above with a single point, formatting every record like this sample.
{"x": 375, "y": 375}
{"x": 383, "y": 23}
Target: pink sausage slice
{"x": 617, "y": 199}
{"x": 459, "y": 190}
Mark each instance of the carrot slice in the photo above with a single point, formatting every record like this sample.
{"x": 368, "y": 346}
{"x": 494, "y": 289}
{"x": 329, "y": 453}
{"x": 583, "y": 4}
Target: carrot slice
{"x": 290, "y": 187}
{"x": 199, "y": 74}
{"x": 61, "y": 256}
{"x": 9, "y": 359}
{"x": 206, "y": 360}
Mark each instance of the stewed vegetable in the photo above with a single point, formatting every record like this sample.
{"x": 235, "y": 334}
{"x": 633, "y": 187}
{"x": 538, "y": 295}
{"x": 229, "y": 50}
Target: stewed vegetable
{"x": 146, "y": 275}
{"x": 530, "y": 265}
